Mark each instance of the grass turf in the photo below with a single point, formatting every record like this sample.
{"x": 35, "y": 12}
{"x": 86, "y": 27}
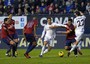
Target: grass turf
{"x": 49, "y": 58}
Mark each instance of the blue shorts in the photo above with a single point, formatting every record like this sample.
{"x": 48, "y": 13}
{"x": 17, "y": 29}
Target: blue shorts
{"x": 6, "y": 40}
{"x": 14, "y": 36}
{"x": 30, "y": 38}
{"x": 69, "y": 41}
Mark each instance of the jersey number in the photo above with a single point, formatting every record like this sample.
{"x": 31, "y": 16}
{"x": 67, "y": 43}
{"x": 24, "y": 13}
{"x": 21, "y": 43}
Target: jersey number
{"x": 80, "y": 22}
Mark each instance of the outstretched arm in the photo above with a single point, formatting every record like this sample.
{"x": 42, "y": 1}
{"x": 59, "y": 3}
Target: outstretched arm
{"x": 58, "y": 25}
{"x": 43, "y": 33}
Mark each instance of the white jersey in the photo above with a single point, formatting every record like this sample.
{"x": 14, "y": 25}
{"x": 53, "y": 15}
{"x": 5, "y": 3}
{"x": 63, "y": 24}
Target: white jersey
{"x": 49, "y": 31}
{"x": 79, "y": 23}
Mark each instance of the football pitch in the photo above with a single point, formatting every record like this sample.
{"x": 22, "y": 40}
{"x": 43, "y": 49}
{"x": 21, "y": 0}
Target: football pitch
{"x": 49, "y": 58}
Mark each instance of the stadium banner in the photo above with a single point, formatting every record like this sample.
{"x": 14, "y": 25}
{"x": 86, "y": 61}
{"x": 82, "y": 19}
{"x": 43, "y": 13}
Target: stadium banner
{"x": 20, "y": 21}
{"x": 59, "y": 42}
{"x": 60, "y": 19}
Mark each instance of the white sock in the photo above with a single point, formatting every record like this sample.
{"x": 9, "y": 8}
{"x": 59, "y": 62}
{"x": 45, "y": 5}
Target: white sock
{"x": 42, "y": 50}
{"x": 46, "y": 50}
{"x": 73, "y": 47}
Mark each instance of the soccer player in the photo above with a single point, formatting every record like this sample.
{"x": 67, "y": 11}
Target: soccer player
{"x": 79, "y": 23}
{"x": 6, "y": 37}
{"x": 70, "y": 36}
{"x": 29, "y": 33}
{"x": 12, "y": 31}
{"x": 49, "y": 35}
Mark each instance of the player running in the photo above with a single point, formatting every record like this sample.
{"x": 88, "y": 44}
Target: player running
{"x": 49, "y": 36}
{"x": 6, "y": 37}
{"x": 79, "y": 23}
{"x": 70, "y": 36}
{"x": 29, "y": 33}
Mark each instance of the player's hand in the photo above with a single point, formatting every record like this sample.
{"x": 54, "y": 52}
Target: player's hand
{"x": 67, "y": 27}
{"x": 12, "y": 42}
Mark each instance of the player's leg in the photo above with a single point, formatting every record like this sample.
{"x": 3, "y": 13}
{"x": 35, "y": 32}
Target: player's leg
{"x": 79, "y": 47}
{"x": 43, "y": 48}
{"x": 68, "y": 45}
{"x": 50, "y": 45}
{"x": 8, "y": 52}
{"x": 47, "y": 50}
{"x": 6, "y": 41}
{"x": 75, "y": 50}
{"x": 13, "y": 44}
{"x": 15, "y": 38}
{"x": 46, "y": 39}
{"x": 78, "y": 38}
{"x": 31, "y": 46}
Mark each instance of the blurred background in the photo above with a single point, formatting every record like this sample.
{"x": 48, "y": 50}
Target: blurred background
{"x": 27, "y": 7}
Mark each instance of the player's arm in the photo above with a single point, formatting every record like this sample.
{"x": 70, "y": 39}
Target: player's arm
{"x": 58, "y": 25}
{"x": 24, "y": 35}
{"x": 65, "y": 32}
{"x": 75, "y": 23}
{"x": 35, "y": 27}
{"x": 43, "y": 33}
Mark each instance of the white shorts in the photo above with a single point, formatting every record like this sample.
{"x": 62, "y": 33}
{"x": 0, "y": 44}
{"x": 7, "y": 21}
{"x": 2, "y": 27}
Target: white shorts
{"x": 49, "y": 41}
{"x": 79, "y": 36}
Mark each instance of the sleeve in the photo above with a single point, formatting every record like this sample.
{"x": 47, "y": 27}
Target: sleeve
{"x": 74, "y": 22}
{"x": 84, "y": 17}
{"x": 62, "y": 25}
{"x": 43, "y": 33}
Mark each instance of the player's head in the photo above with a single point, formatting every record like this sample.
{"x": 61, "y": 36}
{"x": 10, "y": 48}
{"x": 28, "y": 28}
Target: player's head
{"x": 77, "y": 13}
{"x": 69, "y": 21}
{"x": 49, "y": 20}
{"x": 5, "y": 20}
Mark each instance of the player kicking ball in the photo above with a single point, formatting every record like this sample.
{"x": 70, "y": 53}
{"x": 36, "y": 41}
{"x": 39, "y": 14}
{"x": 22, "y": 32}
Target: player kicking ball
{"x": 49, "y": 36}
{"x": 70, "y": 36}
{"x": 79, "y": 23}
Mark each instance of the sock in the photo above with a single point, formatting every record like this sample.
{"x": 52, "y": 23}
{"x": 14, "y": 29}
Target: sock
{"x": 73, "y": 47}
{"x": 30, "y": 48}
{"x": 13, "y": 50}
{"x": 43, "y": 48}
{"x": 16, "y": 46}
{"x": 46, "y": 50}
{"x": 9, "y": 49}
{"x": 75, "y": 51}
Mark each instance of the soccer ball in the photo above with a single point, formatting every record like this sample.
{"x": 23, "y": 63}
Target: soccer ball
{"x": 61, "y": 54}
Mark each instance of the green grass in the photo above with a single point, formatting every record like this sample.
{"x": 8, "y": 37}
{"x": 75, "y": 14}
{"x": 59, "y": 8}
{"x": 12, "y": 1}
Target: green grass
{"x": 49, "y": 58}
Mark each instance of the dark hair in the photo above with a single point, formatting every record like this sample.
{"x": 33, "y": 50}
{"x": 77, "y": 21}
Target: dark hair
{"x": 49, "y": 18}
{"x": 5, "y": 19}
{"x": 70, "y": 19}
{"x": 78, "y": 13}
